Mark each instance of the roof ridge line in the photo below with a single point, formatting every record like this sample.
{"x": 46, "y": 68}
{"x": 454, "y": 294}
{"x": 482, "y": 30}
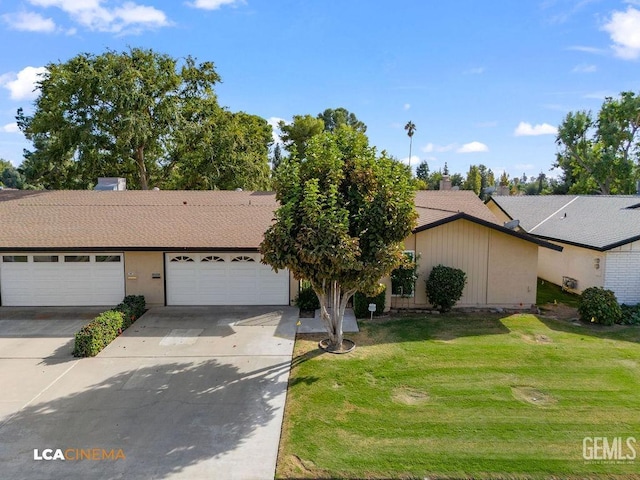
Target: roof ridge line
{"x": 438, "y": 209}
{"x": 554, "y": 213}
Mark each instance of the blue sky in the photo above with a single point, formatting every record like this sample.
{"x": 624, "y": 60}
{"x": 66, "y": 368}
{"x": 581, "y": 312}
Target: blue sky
{"x": 483, "y": 81}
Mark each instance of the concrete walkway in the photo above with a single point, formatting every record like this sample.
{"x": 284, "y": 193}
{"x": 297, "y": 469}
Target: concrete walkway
{"x": 186, "y": 392}
{"x": 315, "y": 325}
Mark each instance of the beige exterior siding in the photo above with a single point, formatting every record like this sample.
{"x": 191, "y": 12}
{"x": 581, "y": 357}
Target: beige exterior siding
{"x": 512, "y": 270}
{"x": 585, "y": 265}
{"x": 139, "y": 269}
{"x": 294, "y": 288}
{"x": 501, "y": 270}
{"x": 500, "y": 215}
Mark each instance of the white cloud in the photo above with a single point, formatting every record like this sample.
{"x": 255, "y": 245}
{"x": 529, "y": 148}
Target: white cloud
{"x": 23, "y": 84}
{"x": 601, "y": 95}
{"x": 475, "y": 71}
{"x": 585, "y": 49}
{"x": 624, "y": 30}
{"x": 29, "y": 22}
{"x": 273, "y": 122}
{"x": 10, "y": 128}
{"x": 430, "y": 147}
{"x": 525, "y": 129}
{"x": 525, "y": 167}
{"x": 406, "y": 106}
{"x": 415, "y": 161}
{"x": 213, "y": 4}
{"x": 128, "y": 17}
{"x": 473, "y": 147}
{"x": 585, "y": 68}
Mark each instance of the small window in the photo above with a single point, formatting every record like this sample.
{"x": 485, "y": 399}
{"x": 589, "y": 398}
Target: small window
{"x": 242, "y": 258}
{"x": 212, "y": 258}
{"x": 182, "y": 258}
{"x": 76, "y": 258}
{"x": 403, "y": 279}
{"x": 14, "y": 258}
{"x": 45, "y": 258}
{"x": 107, "y": 258}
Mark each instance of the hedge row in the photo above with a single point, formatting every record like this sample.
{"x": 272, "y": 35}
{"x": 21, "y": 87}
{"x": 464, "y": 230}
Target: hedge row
{"x": 102, "y": 330}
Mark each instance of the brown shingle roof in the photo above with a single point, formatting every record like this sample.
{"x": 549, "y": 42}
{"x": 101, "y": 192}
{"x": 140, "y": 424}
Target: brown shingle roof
{"x": 163, "y": 220}
{"x": 436, "y": 205}
{"x": 134, "y": 219}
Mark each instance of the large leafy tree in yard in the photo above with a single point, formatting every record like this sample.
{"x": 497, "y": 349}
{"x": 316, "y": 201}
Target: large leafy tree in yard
{"x": 601, "y": 154}
{"x": 141, "y": 115}
{"x": 344, "y": 213}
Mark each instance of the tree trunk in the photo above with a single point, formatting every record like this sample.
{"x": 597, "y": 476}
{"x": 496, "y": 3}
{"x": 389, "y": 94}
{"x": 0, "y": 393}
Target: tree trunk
{"x": 333, "y": 302}
{"x": 142, "y": 169}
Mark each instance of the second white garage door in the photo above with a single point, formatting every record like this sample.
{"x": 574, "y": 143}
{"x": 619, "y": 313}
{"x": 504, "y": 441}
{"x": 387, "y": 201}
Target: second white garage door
{"x": 223, "y": 279}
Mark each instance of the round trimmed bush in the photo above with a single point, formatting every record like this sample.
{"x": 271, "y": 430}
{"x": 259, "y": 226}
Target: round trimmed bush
{"x": 307, "y": 299}
{"x": 598, "y": 305}
{"x": 445, "y": 286}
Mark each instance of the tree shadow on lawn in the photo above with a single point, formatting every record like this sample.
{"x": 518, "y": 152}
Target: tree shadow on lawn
{"x": 622, "y": 333}
{"x": 165, "y": 418}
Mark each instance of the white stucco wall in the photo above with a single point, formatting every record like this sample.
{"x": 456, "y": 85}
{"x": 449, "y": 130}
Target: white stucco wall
{"x": 585, "y": 265}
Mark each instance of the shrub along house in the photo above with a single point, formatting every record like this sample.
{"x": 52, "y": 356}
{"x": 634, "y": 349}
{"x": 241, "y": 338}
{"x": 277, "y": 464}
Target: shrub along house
{"x": 600, "y": 236}
{"x": 73, "y": 248}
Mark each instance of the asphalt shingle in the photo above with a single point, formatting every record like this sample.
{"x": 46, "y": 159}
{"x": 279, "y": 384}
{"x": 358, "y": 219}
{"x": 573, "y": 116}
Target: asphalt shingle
{"x": 596, "y": 221}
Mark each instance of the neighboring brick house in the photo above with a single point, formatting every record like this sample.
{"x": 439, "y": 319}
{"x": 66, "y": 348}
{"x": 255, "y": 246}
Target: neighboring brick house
{"x": 600, "y": 236}
{"x": 202, "y": 248}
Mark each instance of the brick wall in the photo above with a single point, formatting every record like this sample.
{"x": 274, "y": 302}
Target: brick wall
{"x": 622, "y": 275}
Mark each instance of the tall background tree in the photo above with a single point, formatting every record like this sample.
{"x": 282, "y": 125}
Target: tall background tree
{"x": 140, "y": 115}
{"x": 344, "y": 213}
{"x": 410, "y": 127}
{"x": 296, "y": 134}
{"x": 334, "y": 117}
{"x": 601, "y": 154}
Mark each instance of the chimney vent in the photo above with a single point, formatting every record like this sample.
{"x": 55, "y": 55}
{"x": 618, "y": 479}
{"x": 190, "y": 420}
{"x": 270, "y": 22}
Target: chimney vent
{"x": 111, "y": 183}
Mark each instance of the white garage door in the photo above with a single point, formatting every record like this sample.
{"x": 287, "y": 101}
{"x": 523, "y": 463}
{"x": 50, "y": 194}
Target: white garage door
{"x": 223, "y": 279}
{"x": 61, "y": 279}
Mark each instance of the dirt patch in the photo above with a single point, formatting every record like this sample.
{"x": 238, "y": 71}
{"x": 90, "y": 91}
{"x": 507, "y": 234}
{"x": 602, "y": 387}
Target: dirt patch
{"x": 410, "y": 396}
{"x": 559, "y": 311}
{"x": 538, "y": 338}
{"x": 533, "y": 396}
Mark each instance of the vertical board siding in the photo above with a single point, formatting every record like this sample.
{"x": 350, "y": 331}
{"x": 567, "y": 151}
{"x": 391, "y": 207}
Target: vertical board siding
{"x": 460, "y": 244}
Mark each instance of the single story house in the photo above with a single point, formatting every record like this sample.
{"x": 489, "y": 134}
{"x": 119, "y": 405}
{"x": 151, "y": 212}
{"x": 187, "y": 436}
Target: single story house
{"x": 456, "y": 229}
{"x": 600, "y": 236}
{"x": 73, "y": 248}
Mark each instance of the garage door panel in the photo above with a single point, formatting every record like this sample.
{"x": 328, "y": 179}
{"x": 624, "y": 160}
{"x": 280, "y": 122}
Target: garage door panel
{"x": 61, "y": 283}
{"x": 224, "y": 279}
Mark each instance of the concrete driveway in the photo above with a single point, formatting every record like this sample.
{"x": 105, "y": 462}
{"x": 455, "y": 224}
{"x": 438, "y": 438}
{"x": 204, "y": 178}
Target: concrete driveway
{"x": 185, "y": 392}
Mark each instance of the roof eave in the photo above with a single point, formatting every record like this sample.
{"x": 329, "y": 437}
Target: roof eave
{"x": 494, "y": 226}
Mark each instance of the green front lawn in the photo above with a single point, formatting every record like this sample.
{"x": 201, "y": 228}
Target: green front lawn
{"x": 550, "y": 293}
{"x": 474, "y": 396}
